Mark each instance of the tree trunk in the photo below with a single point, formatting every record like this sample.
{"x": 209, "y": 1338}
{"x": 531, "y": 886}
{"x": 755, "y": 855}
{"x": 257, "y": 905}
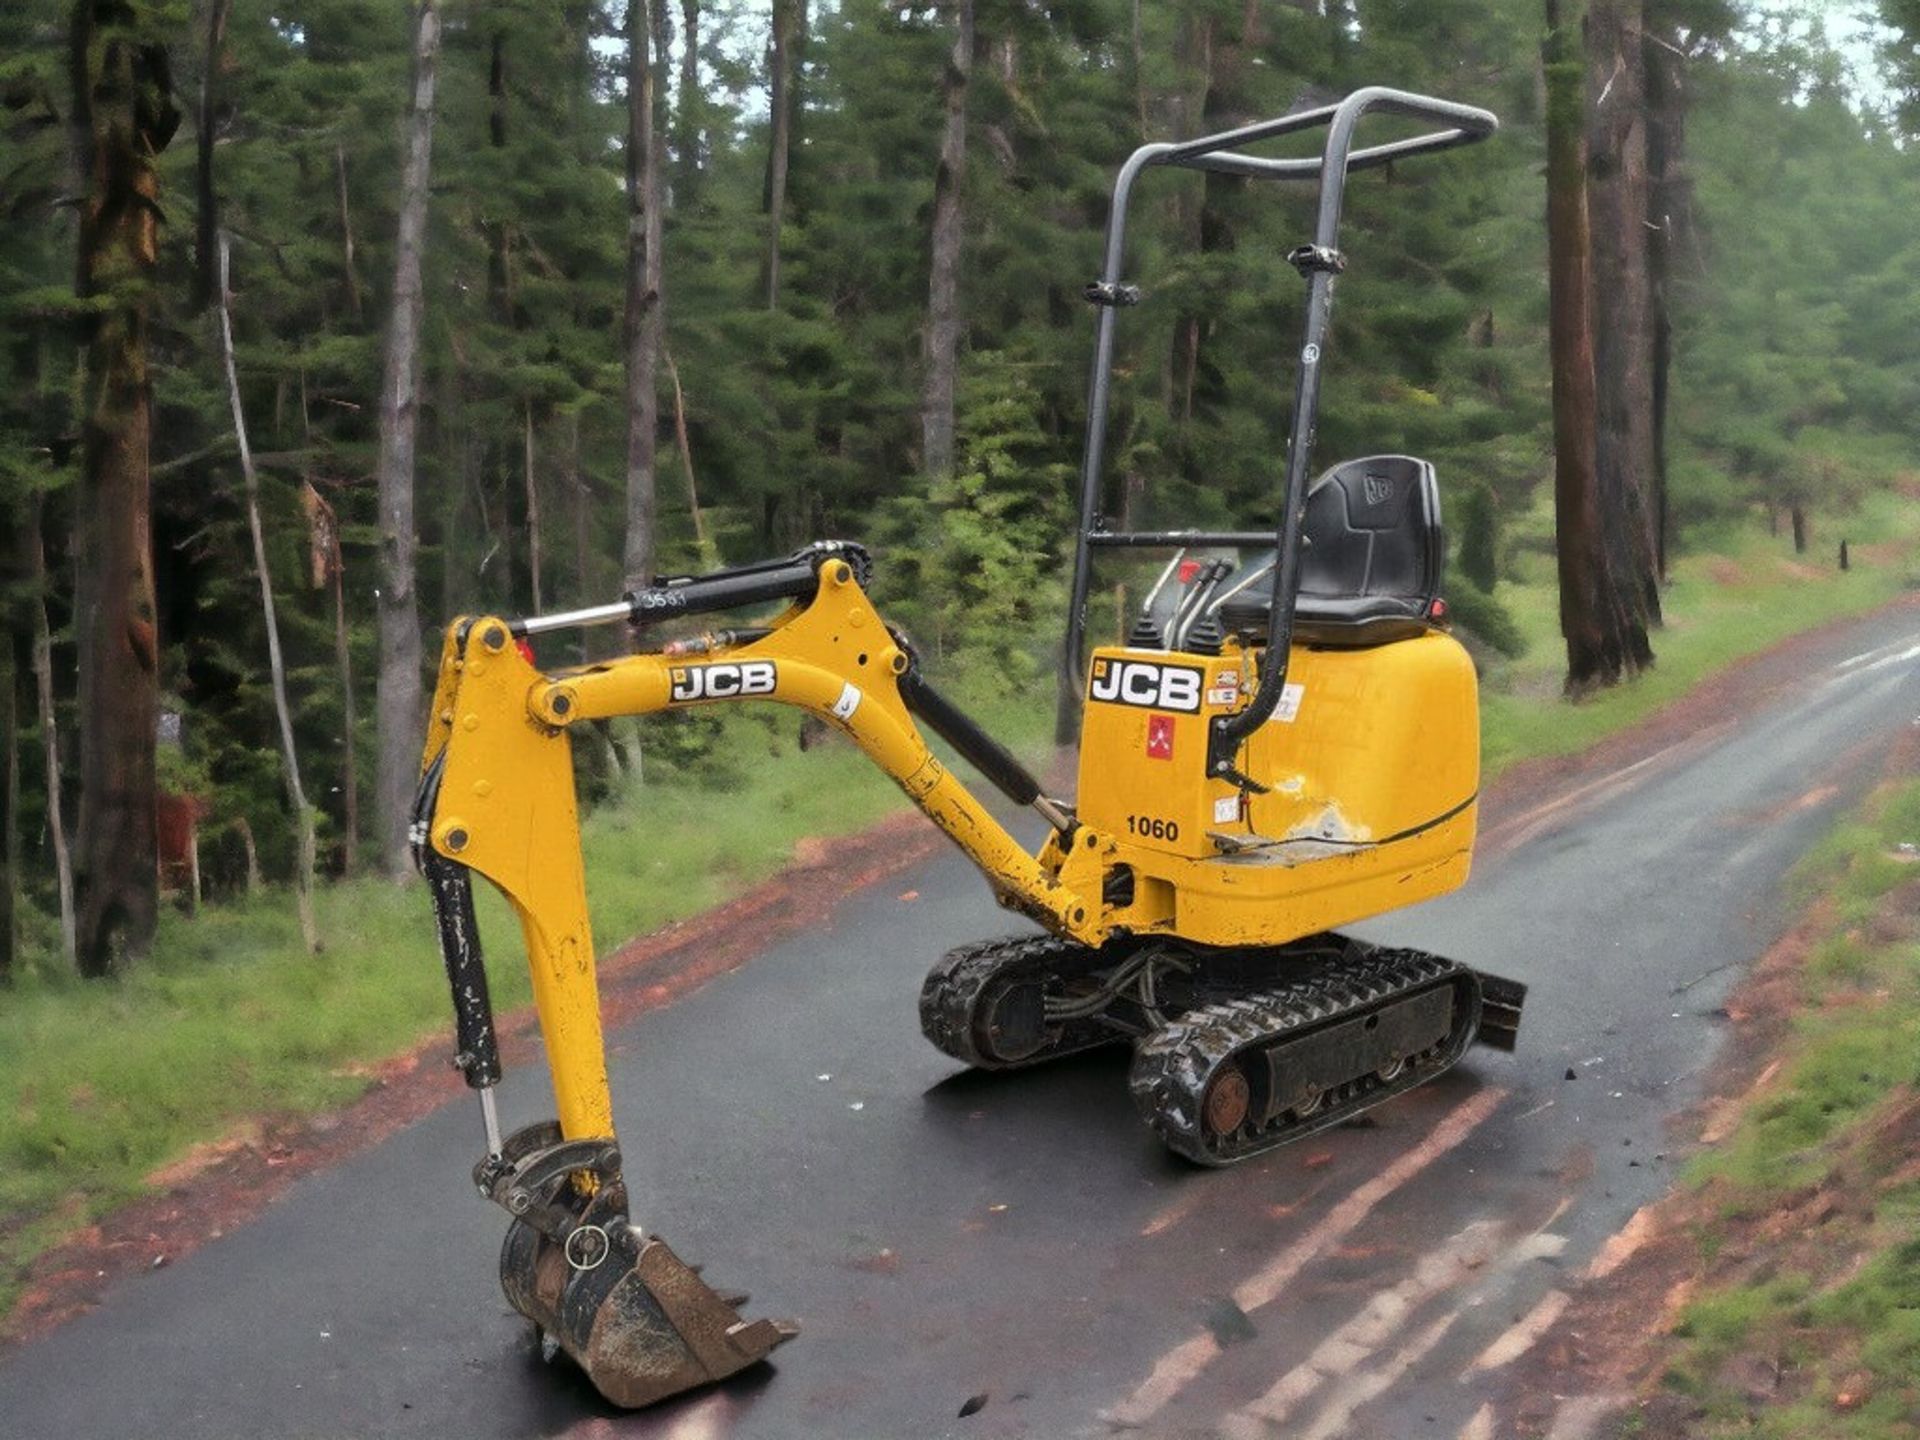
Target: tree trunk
{"x": 399, "y": 702}
{"x": 329, "y": 569}
{"x": 533, "y": 514}
{"x": 346, "y": 233}
{"x": 1798, "y": 514}
{"x": 1622, "y": 323}
{"x": 1141, "y": 99}
{"x": 943, "y": 290}
{"x": 499, "y": 231}
{"x": 644, "y": 301}
{"x": 206, "y": 197}
{"x": 123, "y": 106}
{"x": 1187, "y": 107}
{"x": 1668, "y": 204}
{"x": 276, "y": 666}
{"x": 662, "y": 61}
{"x": 780, "y": 120}
{"x": 42, "y": 667}
{"x": 1593, "y": 654}
{"x": 251, "y": 851}
{"x": 9, "y": 806}
{"x": 689, "y": 140}
{"x": 580, "y": 500}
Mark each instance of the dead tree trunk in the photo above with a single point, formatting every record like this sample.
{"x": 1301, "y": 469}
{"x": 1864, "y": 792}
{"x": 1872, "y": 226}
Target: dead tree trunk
{"x": 643, "y": 315}
{"x": 329, "y": 570}
{"x": 780, "y": 124}
{"x": 399, "y": 702}
{"x": 1593, "y": 654}
{"x": 206, "y": 197}
{"x": 276, "y": 666}
{"x": 123, "y": 107}
{"x": 1621, "y": 315}
{"x": 943, "y": 289}
{"x": 42, "y": 666}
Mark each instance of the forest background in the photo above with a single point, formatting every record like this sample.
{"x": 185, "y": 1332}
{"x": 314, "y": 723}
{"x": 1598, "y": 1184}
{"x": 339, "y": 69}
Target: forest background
{"x": 604, "y": 291}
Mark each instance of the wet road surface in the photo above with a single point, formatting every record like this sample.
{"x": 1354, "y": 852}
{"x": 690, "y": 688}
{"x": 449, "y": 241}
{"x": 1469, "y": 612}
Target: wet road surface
{"x": 944, "y": 1236}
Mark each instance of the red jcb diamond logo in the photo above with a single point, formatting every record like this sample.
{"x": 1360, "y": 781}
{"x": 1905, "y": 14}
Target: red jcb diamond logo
{"x": 1160, "y": 737}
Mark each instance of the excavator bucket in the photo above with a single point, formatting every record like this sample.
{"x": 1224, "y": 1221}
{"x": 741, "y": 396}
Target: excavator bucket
{"x": 632, "y": 1314}
{"x": 638, "y": 1319}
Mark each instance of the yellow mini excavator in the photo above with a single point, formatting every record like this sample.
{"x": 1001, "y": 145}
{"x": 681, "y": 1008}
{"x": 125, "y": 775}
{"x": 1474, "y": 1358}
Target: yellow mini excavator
{"x": 1286, "y": 743}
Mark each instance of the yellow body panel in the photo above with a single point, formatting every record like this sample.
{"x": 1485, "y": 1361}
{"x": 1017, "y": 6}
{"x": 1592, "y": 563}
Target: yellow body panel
{"x": 1371, "y": 766}
{"x": 1371, "y": 770}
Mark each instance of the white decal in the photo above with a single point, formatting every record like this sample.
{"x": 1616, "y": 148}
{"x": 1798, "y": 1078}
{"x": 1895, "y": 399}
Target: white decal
{"x": 1223, "y": 695}
{"x": 1147, "y": 685}
{"x": 1226, "y": 810}
{"x": 723, "y": 682}
{"x": 1290, "y": 696}
{"x": 848, "y": 702}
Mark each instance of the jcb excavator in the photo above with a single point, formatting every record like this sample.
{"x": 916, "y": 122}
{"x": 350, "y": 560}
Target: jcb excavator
{"x": 1286, "y": 743}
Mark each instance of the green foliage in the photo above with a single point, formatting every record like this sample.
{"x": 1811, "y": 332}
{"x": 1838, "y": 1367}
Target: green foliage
{"x": 1477, "y": 524}
{"x": 1485, "y": 618}
{"x": 1795, "y": 385}
{"x": 976, "y": 569}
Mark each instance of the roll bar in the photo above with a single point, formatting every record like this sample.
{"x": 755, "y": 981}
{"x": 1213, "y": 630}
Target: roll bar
{"x": 1318, "y": 262}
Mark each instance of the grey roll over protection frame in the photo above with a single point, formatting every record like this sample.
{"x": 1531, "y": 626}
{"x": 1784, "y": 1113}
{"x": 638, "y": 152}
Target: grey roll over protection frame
{"x": 1318, "y": 262}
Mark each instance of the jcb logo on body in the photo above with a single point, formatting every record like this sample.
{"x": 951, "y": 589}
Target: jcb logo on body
{"x": 1146, "y": 684}
{"x": 723, "y": 682}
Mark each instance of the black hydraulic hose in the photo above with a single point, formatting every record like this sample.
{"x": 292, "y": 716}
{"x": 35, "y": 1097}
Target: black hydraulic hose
{"x": 957, "y": 728}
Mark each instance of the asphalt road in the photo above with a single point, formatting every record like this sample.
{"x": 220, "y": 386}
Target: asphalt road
{"x": 944, "y": 1236}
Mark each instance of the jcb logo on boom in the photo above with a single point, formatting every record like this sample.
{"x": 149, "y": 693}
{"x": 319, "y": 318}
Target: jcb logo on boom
{"x": 1147, "y": 685}
{"x": 723, "y": 682}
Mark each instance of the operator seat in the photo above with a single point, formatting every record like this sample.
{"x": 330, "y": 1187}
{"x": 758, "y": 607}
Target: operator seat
{"x": 1370, "y": 567}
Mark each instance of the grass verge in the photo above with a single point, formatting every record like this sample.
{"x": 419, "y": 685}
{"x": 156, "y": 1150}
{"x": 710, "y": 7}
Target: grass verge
{"x": 1805, "y": 1317}
{"x": 104, "y": 1084}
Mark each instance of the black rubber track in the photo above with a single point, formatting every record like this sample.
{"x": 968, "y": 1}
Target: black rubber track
{"x": 1173, "y": 1067}
{"x": 956, "y": 995}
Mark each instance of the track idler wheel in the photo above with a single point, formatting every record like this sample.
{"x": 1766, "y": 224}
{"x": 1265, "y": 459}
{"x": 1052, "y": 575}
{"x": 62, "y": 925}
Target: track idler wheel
{"x": 634, "y": 1316}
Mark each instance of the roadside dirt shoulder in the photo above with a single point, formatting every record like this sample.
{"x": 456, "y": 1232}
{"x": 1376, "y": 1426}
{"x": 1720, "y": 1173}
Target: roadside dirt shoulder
{"x": 1606, "y": 1360}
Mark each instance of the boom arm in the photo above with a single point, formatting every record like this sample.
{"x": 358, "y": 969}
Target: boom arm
{"x": 498, "y": 797}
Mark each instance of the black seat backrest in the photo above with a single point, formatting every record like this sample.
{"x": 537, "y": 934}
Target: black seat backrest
{"x": 1373, "y": 531}
{"x": 1370, "y": 569}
